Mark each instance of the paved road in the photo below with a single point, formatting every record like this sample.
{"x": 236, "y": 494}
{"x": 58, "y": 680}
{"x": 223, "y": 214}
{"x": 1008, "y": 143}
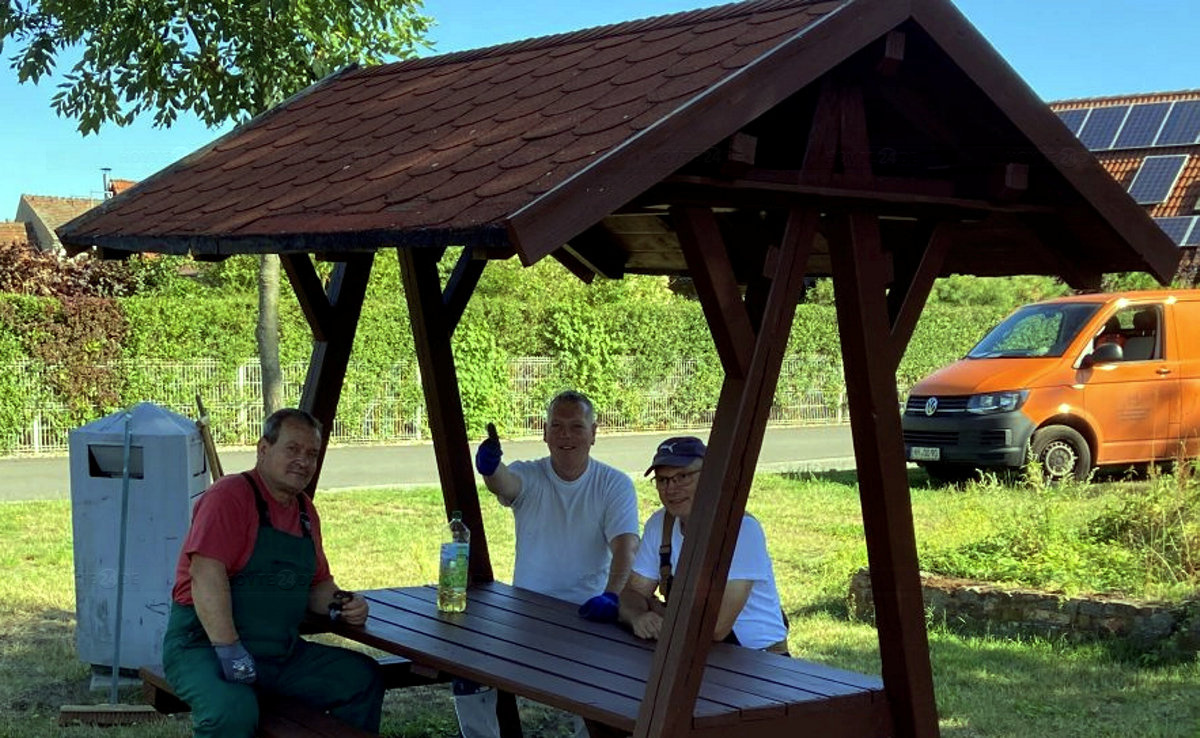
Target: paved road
{"x": 347, "y": 467}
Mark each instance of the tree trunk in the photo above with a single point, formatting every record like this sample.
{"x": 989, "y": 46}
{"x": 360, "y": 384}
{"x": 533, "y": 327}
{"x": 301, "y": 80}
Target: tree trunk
{"x": 267, "y": 332}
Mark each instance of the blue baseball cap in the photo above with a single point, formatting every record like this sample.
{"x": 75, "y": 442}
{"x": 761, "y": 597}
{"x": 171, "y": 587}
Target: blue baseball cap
{"x": 677, "y": 451}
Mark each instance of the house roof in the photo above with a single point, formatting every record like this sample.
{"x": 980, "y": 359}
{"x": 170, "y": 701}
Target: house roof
{"x": 55, "y": 211}
{"x": 117, "y": 186}
{"x": 533, "y": 145}
{"x": 12, "y": 231}
{"x": 1158, "y": 115}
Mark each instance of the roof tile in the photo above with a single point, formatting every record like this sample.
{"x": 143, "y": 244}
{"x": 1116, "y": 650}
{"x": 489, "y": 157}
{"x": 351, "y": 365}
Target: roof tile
{"x": 451, "y": 141}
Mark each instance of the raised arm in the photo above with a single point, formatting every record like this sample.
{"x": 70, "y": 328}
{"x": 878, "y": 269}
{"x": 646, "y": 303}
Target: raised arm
{"x": 496, "y": 476}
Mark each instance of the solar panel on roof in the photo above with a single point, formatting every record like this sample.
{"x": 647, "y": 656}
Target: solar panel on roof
{"x": 1193, "y": 238}
{"x": 1155, "y": 178}
{"x": 1177, "y": 227}
{"x": 1073, "y": 119}
{"x": 1101, "y": 126}
{"x": 1182, "y": 126}
{"x": 1141, "y": 125}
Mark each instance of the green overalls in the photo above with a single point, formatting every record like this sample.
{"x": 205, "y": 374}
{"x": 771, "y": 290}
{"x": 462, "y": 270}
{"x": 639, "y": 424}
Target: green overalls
{"x": 270, "y": 598}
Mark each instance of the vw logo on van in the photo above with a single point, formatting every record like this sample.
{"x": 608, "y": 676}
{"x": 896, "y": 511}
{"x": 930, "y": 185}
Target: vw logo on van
{"x": 931, "y": 406}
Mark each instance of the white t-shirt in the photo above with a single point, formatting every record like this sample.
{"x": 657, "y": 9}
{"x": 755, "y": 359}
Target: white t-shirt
{"x": 564, "y": 528}
{"x": 760, "y": 623}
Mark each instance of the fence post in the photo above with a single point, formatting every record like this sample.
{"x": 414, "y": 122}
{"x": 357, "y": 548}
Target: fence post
{"x": 37, "y": 432}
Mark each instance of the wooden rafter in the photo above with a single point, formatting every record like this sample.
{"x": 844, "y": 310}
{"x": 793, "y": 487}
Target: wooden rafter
{"x": 333, "y": 316}
{"x": 708, "y": 263}
{"x": 461, "y": 285}
{"x": 314, "y": 303}
{"x": 911, "y": 289}
{"x": 724, "y": 486}
{"x": 431, "y": 336}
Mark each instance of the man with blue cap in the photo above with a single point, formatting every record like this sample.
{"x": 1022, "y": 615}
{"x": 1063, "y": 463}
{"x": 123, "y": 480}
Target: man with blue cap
{"x": 750, "y": 613}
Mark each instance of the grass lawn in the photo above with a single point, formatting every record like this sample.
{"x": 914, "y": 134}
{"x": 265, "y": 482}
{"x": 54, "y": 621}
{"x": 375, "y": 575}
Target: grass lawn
{"x": 985, "y": 686}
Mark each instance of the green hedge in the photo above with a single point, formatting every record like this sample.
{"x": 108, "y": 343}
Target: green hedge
{"x": 599, "y": 336}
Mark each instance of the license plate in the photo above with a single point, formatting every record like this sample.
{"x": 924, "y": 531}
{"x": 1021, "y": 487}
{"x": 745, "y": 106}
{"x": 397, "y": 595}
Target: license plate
{"x": 925, "y": 453}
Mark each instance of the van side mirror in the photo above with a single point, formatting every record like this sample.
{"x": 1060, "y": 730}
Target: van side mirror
{"x": 1105, "y": 353}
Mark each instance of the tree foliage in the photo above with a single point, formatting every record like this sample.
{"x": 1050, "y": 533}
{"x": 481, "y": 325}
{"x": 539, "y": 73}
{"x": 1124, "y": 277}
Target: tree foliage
{"x": 222, "y": 60}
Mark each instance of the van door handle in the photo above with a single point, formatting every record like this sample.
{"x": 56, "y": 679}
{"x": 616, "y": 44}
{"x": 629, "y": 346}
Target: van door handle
{"x": 1162, "y": 370}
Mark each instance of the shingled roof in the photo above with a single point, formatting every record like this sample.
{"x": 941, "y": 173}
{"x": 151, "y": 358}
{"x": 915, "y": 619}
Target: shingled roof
{"x": 556, "y": 141}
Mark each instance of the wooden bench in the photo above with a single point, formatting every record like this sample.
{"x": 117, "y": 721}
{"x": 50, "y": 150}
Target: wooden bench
{"x": 280, "y": 716}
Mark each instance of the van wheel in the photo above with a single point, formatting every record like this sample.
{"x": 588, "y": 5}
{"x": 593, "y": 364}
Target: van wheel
{"x": 1062, "y": 452}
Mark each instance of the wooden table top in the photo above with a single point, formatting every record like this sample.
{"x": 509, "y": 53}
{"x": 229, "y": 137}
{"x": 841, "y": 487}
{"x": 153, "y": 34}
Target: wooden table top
{"x": 538, "y": 647}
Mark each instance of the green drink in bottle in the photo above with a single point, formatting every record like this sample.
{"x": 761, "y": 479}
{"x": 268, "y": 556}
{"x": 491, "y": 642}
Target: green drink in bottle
{"x": 452, "y": 573}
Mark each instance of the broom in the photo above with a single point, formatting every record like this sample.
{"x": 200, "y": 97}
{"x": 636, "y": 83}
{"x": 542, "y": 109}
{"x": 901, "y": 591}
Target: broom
{"x": 115, "y": 713}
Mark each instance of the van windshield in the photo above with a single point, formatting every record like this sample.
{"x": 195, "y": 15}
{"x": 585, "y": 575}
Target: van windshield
{"x": 1035, "y": 330}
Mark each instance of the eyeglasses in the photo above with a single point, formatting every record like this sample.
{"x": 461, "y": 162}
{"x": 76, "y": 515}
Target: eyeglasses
{"x": 681, "y": 478}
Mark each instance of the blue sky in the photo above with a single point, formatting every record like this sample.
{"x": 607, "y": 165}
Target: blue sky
{"x": 1063, "y": 49}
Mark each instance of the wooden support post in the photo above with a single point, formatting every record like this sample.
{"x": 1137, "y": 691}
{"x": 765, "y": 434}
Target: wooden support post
{"x": 431, "y": 326}
{"x": 333, "y": 317}
{"x": 733, "y": 449}
{"x": 911, "y": 289}
{"x": 859, "y": 270}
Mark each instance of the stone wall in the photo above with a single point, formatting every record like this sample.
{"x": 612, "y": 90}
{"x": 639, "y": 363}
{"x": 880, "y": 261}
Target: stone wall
{"x": 971, "y": 606}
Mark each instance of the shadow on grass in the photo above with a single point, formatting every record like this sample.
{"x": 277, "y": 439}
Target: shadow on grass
{"x": 833, "y": 606}
{"x": 849, "y": 477}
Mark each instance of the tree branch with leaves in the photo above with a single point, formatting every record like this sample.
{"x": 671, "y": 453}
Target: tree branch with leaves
{"x": 220, "y": 60}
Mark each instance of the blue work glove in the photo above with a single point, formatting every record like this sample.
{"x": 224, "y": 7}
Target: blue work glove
{"x": 487, "y": 458}
{"x": 602, "y": 608}
{"x": 236, "y": 663}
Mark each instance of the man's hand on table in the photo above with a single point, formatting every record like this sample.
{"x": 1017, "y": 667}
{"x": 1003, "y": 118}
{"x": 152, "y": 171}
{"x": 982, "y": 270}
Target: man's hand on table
{"x": 647, "y": 625}
{"x": 354, "y": 610}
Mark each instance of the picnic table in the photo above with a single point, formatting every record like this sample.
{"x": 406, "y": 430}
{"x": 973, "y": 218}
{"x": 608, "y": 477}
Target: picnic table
{"x": 535, "y": 646}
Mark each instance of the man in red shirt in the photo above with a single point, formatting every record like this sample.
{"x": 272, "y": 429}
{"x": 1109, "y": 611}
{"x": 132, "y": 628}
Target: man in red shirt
{"x": 251, "y": 566}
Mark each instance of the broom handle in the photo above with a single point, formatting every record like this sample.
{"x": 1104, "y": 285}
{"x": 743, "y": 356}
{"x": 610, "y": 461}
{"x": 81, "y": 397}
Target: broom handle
{"x": 210, "y": 447}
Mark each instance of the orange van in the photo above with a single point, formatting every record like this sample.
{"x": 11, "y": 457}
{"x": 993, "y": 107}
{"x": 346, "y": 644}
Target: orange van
{"x": 1075, "y": 383}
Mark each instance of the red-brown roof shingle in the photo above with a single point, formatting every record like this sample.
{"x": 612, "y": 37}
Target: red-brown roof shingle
{"x": 451, "y": 142}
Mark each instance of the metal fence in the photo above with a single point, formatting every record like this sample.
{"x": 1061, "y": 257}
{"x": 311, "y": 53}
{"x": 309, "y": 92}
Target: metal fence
{"x": 387, "y": 405}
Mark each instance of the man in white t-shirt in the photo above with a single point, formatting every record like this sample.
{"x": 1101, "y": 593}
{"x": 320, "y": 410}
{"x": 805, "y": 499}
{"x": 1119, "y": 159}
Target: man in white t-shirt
{"x": 576, "y": 530}
{"x": 750, "y": 613}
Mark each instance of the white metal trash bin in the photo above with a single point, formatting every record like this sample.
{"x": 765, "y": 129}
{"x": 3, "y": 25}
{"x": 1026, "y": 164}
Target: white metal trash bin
{"x": 167, "y": 472}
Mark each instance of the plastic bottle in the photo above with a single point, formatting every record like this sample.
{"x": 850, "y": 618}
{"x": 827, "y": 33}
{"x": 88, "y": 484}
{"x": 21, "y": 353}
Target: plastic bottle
{"x": 452, "y": 574}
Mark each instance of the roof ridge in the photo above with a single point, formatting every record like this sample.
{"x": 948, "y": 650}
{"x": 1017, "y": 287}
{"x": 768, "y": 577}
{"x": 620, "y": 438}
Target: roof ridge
{"x": 26, "y": 195}
{"x": 1126, "y": 96}
{"x": 637, "y": 25}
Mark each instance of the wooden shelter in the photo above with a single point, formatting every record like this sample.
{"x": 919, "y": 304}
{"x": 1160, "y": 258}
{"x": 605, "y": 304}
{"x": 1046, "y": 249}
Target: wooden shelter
{"x": 746, "y": 146}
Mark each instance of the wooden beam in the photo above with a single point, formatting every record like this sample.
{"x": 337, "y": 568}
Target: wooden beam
{"x": 461, "y": 285}
{"x": 738, "y": 154}
{"x": 686, "y": 189}
{"x": 431, "y": 336}
{"x": 708, "y": 263}
{"x": 893, "y": 54}
{"x": 635, "y": 165}
{"x": 314, "y": 303}
{"x": 716, "y": 517}
{"x": 331, "y": 354}
{"x": 600, "y": 251}
{"x": 574, "y": 265}
{"x": 862, "y": 314}
{"x": 909, "y": 291}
